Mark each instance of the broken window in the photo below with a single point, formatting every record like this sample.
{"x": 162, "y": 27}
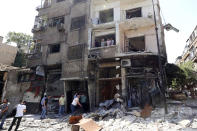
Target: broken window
{"x": 106, "y": 16}
{"x": 136, "y": 44}
{"x": 77, "y": 1}
{"x": 134, "y": 13}
{"x": 77, "y": 22}
{"x": 106, "y": 40}
{"x": 59, "y": 1}
{"x": 54, "y": 48}
{"x": 76, "y": 52}
{"x": 56, "y": 21}
{"x": 24, "y": 77}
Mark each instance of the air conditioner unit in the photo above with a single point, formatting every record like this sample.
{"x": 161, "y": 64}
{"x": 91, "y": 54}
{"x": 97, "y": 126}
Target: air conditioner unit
{"x": 126, "y": 63}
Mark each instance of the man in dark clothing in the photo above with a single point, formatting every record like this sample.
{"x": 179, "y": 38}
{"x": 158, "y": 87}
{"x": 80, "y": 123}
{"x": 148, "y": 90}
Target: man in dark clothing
{"x": 4, "y": 112}
{"x": 83, "y": 101}
{"x": 20, "y": 109}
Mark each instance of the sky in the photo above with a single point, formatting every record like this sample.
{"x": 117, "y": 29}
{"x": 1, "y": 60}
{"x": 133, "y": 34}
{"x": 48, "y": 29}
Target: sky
{"x": 19, "y": 15}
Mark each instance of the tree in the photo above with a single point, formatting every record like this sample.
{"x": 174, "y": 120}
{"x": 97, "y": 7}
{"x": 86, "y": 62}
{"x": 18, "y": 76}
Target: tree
{"x": 175, "y": 76}
{"x": 23, "y": 42}
{"x": 181, "y": 77}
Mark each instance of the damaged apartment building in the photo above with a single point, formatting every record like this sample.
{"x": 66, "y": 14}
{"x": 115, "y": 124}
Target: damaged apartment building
{"x": 99, "y": 48}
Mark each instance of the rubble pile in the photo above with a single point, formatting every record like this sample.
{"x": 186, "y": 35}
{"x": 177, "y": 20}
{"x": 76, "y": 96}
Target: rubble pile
{"x": 179, "y": 117}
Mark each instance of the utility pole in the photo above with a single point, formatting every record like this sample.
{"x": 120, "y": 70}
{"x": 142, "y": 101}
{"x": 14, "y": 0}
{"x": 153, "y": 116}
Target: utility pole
{"x": 159, "y": 61}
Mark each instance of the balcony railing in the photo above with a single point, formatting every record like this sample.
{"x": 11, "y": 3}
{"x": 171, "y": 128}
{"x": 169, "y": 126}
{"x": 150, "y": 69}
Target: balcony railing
{"x": 44, "y": 4}
{"x": 36, "y": 55}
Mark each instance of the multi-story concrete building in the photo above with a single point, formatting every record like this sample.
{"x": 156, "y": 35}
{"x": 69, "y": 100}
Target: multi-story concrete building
{"x": 190, "y": 50}
{"x": 61, "y": 37}
{"x": 99, "y": 48}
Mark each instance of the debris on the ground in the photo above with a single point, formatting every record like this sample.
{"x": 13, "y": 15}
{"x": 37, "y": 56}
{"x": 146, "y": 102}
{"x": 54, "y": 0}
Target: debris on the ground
{"x": 180, "y": 117}
{"x": 75, "y": 119}
{"x": 146, "y": 112}
{"x": 180, "y": 96}
{"x": 89, "y": 125}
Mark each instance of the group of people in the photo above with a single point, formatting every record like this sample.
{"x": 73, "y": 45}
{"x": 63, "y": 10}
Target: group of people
{"x": 20, "y": 109}
{"x": 103, "y": 42}
{"x": 79, "y": 100}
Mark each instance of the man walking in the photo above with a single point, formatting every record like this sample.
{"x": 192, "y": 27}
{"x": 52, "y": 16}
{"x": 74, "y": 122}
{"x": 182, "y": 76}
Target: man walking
{"x": 75, "y": 103}
{"x": 4, "y": 112}
{"x": 20, "y": 109}
{"x": 44, "y": 107}
{"x": 61, "y": 105}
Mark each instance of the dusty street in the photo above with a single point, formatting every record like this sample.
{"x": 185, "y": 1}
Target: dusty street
{"x": 179, "y": 118}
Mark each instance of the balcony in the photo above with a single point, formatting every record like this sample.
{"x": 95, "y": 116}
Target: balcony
{"x": 137, "y": 22}
{"x": 34, "y": 59}
{"x": 44, "y": 4}
{"x": 102, "y": 52}
{"x": 32, "y": 56}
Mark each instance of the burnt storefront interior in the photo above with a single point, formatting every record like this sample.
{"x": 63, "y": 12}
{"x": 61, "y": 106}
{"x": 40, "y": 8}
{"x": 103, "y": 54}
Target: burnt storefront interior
{"x": 142, "y": 81}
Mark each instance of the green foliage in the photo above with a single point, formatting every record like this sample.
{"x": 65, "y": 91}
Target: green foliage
{"x": 175, "y": 76}
{"x": 22, "y": 40}
{"x": 182, "y": 76}
{"x": 20, "y": 60}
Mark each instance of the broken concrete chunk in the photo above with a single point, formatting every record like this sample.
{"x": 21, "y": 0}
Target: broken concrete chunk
{"x": 89, "y": 125}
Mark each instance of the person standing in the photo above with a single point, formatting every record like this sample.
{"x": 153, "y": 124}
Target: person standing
{"x": 47, "y": 100}
{"x": 44, "y": 107}
{"x": 102, "y": 42}
{"x": 75, "y": 103}
{"x": 83, "y": 101}
{"x": 20, "y": 109}
{"x": 4, "y": 112}
{"x": 61, "y": 105}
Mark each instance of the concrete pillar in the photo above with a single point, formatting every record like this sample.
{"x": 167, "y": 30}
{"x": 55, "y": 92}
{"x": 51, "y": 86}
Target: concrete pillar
{"x": 97, "y": 87}
{"x": 65, "y": 95}
{"x": 91, "y": 94}
{"x": 124, "y": 89}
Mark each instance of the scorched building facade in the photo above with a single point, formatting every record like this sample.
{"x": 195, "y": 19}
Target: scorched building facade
{"x": 99, "y": 48}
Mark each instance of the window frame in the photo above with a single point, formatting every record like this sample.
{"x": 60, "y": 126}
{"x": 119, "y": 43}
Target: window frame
{"x": 54, "y": 52}
{"x": 134, "y": 10}
{"x": 82, "y": 22}
{"x": 104, "y": 12}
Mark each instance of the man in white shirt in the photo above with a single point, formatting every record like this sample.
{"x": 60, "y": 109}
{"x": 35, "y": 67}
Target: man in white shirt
{"x": 75, "y": 103}
{"x": 20, "y": 109}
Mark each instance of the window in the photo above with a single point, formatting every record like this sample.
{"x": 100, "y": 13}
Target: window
{"x": 136, "y": 44}
{"x": 56, "y": 21}
{"x": 106, "y": 16}
{"x": 106, "y": 40}
{"x": 59, "y": 1}
{"x": 54, "y": 48}
{"x": 24, "y": 77}
{"x": 76, "y": 52}
{"x": 78, "y": 22}
{"x": 134, "y": 13}
{"x": 37, "y": 48}
{"x": 78, "y": 1}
